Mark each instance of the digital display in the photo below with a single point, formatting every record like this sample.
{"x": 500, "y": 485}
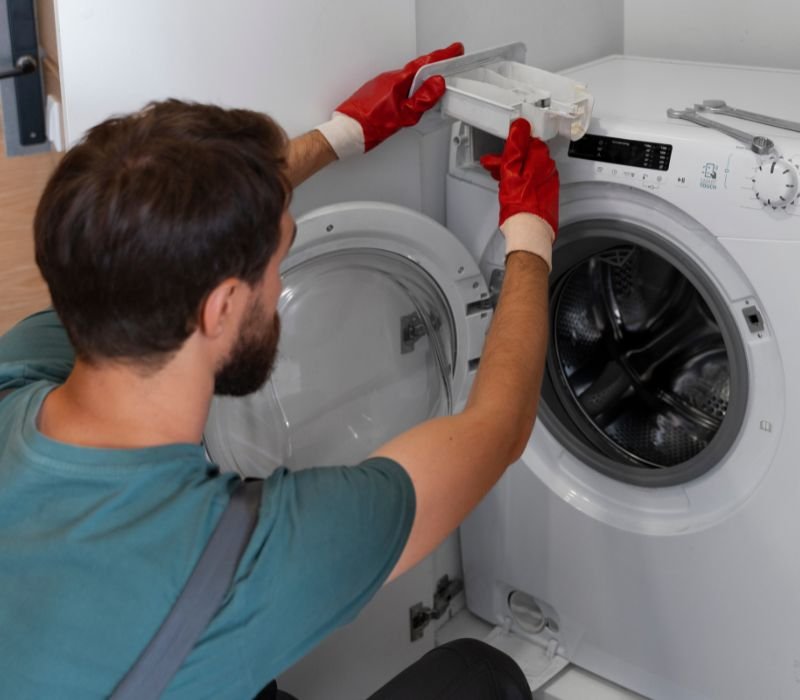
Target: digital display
{"x": 609, "y": 149}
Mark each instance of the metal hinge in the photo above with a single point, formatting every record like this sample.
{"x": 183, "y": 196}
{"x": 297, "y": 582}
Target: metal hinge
{"x": 413, "y": 327}
{"x": 420, "y": 616}
{"x": 489, "y": 302}
{"x": 496, "y": 284}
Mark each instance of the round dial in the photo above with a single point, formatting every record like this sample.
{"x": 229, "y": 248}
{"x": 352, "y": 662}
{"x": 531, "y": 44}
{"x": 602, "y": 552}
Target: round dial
{"x": 776, "y": 183}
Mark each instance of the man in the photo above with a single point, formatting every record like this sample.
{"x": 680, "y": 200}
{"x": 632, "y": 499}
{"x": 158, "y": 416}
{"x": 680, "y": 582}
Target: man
{"x": 160, "y": 237}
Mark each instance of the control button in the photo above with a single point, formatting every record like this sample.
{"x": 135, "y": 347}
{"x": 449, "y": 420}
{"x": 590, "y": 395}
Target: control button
{"x": 710, "y": 171}
{"x": 775, "y": 183}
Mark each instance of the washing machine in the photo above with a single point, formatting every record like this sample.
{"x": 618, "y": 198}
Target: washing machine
{"x": 650, "y": 532}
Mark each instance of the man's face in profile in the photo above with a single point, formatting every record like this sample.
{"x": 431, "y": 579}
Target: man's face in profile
{"x": 252, "y": 358}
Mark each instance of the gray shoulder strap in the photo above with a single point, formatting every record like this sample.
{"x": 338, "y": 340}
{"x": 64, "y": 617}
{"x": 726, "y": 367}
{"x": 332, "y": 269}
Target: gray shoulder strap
{"x": 199, "y": 600}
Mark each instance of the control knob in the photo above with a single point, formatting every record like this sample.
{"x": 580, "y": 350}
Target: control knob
{"x": 776, "y": 183}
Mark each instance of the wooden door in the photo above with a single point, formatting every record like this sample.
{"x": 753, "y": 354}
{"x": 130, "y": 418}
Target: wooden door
{"x": 22, "y": 290}
{"x": 22, "y": 179}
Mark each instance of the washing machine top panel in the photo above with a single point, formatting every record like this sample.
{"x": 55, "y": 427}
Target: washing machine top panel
{"x": 643, "y": 88}
{"x": 374, "y": 340}
{"x": 711, "y": 177}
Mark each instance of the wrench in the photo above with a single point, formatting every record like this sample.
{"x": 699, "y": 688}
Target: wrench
{"x": 720, "y": 107}
{"x": 758, "y": 144}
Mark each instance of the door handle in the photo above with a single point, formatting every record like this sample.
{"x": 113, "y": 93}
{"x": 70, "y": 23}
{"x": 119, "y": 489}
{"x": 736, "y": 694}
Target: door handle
{"x": 26, "y": 69}
{"x": 25, "y": 64}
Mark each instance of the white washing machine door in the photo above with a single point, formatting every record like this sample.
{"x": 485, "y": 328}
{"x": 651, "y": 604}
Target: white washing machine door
{"x": 383, "y": 315}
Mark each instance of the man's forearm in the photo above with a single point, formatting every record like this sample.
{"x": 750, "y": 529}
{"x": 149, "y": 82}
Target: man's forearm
{"x": 464, "y": 455}
{"x": 307, "y": 154}
{"x": 509, "y": 378}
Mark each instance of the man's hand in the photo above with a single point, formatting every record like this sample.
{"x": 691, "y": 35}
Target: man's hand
{"x": 382, "y": 106}
{"x": 529, "y": 187}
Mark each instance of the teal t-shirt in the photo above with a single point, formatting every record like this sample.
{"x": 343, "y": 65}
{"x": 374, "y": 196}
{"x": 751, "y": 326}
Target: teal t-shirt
{"x": 96, "y": 545}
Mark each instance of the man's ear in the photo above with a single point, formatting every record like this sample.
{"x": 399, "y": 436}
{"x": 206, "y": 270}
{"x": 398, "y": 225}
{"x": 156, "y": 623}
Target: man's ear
{"x": 220, "y": 306}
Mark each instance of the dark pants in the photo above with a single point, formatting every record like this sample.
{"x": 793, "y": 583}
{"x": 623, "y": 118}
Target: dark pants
{"x": 271, "y": 692}
{"x": 464, "y": 669}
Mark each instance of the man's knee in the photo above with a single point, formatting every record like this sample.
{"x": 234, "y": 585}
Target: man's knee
{"x": 504, "y": 671}
{"x": 464, "y": 669}
{"x": 473, "y": 649}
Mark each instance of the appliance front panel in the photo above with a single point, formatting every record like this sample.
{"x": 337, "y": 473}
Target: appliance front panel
{"x": 687, "y": 590}
{"x": 722, "y": 185}
{"x": 662, "y": 589}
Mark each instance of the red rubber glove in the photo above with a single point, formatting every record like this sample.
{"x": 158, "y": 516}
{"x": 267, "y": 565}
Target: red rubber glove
{"x": 381, "y": 106}
{"x": 527, "y": 175}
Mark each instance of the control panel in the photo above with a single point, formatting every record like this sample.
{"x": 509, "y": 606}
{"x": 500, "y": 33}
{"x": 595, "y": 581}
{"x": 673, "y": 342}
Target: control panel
{"x": 720, "y": 183}
{"x": 775, "y": 182}
{"x": 707, "y": 173}
{"x": 620, "y": 151}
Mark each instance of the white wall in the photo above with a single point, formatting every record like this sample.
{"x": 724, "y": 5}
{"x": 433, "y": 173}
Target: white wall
{"x": 558, "y": 33}
{"x": 294, "y": 60}
{"x": 750, "y": 32}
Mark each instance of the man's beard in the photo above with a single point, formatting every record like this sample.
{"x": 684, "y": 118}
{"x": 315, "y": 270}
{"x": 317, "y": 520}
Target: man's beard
{"x": 252, "y": 358}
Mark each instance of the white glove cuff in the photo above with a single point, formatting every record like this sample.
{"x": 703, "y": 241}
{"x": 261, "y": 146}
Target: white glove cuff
{"x": 344, "y": 134}
{"x": 531, "y": 233}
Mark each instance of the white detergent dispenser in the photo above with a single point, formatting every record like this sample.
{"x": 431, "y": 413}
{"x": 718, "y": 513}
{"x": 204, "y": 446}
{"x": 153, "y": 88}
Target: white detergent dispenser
{"x": 490, "y": 89}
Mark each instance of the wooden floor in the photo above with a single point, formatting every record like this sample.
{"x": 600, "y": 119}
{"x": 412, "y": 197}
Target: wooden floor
{"x": 22, "y": 179}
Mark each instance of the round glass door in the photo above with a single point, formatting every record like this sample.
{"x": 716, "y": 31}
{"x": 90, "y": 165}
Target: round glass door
{"x": 367, "y": 351}
{"x": 646, "y": 373}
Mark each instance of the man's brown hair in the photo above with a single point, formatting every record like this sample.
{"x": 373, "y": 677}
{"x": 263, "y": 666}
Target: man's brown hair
{"x": 148, "y": 213}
